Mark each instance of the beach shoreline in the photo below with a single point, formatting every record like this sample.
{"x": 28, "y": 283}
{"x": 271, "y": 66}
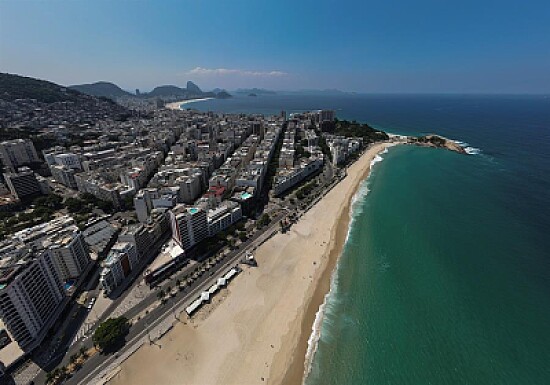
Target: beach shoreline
{"x": 265, "y": 320}
{"x": 297, "y": 372}
{"x": 177, "y": 105}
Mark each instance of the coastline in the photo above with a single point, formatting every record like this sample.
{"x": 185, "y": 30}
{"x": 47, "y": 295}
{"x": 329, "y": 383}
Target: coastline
{"x": 298, "y": 370}
{"x": 177, "y": 105}
{"x": 265, "y": 320}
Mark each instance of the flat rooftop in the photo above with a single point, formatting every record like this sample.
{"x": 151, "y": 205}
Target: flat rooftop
{"x": 170, "y": 251}
{"x": 12, "y": 351}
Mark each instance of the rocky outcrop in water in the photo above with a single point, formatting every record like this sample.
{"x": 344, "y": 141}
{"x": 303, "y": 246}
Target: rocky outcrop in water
{"x": 438, "y": 142}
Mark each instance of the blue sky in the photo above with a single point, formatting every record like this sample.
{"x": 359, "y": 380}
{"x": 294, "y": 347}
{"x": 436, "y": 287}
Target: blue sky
{"x": 481, "y": 46}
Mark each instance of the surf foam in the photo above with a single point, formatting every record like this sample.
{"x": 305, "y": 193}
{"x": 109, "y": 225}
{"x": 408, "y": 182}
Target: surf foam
{"x": 469, "y": 149}
{"x": 316, "y": 328}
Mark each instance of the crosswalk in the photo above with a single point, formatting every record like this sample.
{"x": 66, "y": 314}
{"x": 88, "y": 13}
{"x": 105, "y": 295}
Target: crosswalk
{"x": 84, "y": 332}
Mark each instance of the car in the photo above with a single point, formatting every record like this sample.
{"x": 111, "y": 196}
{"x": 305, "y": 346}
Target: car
{"x": 91, "y": 304}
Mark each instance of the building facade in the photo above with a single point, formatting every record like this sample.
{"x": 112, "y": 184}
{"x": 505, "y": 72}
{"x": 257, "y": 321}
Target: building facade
{"x": 189, "y": 225}
{"x": 118, "y": 265}
{"x": 18, "y": 152}
{"x": 30, "y": 295}
{"x": 23, "y": 185}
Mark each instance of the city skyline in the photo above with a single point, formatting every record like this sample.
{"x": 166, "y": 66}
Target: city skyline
{"x": 361, "y": 47}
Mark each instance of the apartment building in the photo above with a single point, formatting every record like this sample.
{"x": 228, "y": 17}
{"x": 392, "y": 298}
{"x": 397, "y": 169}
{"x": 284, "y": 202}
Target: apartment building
{"x": 223, "y": 216}
{"x": 17, "y": 152}
{"x": 23, "y": 184}
{"x": 34, "y": 265}
{"x": 189, "y": 225}
{"x": 30, "y": 295}
{"x": 119, "y": 263}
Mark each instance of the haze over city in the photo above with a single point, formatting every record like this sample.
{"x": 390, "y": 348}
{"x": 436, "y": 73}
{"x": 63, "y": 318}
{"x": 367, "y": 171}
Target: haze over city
{"x": 425, "y": 46}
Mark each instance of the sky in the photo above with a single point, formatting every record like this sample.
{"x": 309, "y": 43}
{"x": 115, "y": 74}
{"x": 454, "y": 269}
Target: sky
{"x": 394, "y": 46}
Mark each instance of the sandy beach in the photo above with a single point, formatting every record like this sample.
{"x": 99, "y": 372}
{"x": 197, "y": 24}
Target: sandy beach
{"x": 257, "y": 331}
{"x": 176, "y": 105}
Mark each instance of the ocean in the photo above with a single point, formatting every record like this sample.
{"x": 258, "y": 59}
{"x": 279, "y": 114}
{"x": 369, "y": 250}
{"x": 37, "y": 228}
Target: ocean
{"x": 445, "y": 275}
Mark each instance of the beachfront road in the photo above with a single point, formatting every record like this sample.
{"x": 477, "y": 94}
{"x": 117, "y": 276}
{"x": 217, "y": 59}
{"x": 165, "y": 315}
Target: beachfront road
{"x": 98, "y": 363}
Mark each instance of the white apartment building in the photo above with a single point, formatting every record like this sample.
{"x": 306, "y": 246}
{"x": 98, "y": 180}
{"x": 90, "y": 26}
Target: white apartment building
{"x": 30, "y": 295}
{"x": 223, "y": 216}
{"x": 68, "y": 159}
{"x": 17, "y": 152}
{"x": 64, "y": 175}
{"x": 71, "y": 256}
{"x": 292, "y": 177}
{"x": 189, "y": 225}
{"x": 119, "y": 263}
{"x": 150, "y": 198}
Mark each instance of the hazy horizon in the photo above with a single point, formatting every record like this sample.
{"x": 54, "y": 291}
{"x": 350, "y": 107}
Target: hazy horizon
{"x": 364, "y": 47}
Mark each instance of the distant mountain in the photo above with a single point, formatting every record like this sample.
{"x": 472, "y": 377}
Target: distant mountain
{"x": 223, "y": 95}
{"x": 166, "y": 91}
{"x": 13, "y": 87}
{"x": 257, "y": 91}
{"x": 29, "y": 102}
{"x": 193, "y": 89}
{"x": 106, "y": 89}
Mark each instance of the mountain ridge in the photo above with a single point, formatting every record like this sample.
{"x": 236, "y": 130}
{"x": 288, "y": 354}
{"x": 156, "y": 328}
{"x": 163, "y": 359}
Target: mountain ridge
{"x": 101, "y": 88}
{"x": 169, "y": 91}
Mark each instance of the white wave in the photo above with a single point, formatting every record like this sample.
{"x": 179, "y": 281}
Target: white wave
{"x": 469, "y": 149}
{"x": 313, "y": 340}
{"x": 358, "y": 197}
{"x": 376, "y": 159}
{"x": 472, "y": 150}
{"x": 461, "y": 144}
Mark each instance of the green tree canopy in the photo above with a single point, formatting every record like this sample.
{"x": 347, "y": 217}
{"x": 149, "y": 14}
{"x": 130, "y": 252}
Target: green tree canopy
{"x": 110, "y": 334}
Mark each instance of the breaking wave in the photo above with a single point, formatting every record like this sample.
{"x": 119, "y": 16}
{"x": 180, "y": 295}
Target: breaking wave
{"x": 330, "y": 297}
{"x": 469, "y": 149}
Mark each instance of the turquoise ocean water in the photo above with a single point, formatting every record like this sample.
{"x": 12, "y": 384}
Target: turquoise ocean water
{"x": 445, "y": 277}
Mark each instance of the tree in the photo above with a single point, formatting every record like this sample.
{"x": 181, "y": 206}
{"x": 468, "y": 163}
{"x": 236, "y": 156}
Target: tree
{"x": 49, "y": 377}
{"x": 160, "y": 294}
{"x": 240, "y": 226}
{"x": 74, "y": 205}
{"x": 110, "y": 334}
{"x": 83, "y": 352}
{"x": 242, "y": 236}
